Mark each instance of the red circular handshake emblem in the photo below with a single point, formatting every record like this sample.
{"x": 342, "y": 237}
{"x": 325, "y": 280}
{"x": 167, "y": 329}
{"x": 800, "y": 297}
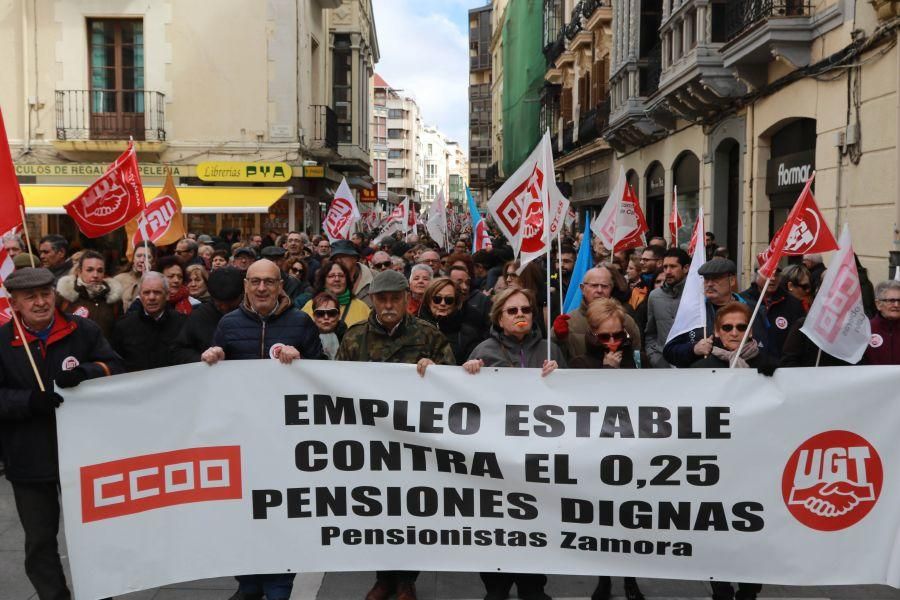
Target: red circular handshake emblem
{"x": 832, "y": 480}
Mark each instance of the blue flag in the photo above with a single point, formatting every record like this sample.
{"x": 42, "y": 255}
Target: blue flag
{"x": 583, "y": 263}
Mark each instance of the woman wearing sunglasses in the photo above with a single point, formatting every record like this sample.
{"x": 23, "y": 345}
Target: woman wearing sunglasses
{"x": 326, "y": 315}
{"x": 606, "y": 345}
{"x": 797, "y": 281}
{"x": 333, "y": 277}
{"x": 514, "y": 342}
{"x": 731, "y": 324}
{"x": 443, "y": 304}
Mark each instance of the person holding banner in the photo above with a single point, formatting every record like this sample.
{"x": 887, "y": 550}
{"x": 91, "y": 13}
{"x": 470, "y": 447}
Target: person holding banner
{"x": 732, "y": 321}
{"x": 444, "y": 306}
{"x": 391, "y": 335}
{"x": 884, "y": 347}
{"x": 69, "y": 350}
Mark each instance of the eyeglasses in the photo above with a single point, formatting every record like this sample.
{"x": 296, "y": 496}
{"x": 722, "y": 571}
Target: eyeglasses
{"x": 727, "y": 327}
{"x": 382, "y": 265}
{"x": 269, "y": 283}
{"x": 448, "y": 300}
{"x": 511, "y": 275}
{"x": 514, "y": 310}
{"x": 326, "y": 313}
{"x": 296, "y": 271}
{"x": 608, "y": 337}
{"x": 889, "y": 300}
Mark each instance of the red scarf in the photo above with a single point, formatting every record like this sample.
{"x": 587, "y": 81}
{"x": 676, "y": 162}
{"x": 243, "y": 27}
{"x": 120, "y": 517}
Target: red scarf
{"x": 181, "y": 300}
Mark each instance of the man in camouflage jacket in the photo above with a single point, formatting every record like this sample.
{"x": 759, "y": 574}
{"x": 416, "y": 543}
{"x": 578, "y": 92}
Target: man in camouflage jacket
{"x": 390, "y": 335}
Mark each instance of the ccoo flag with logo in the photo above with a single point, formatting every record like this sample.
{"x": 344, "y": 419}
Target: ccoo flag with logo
{"x": 804, "y": 232}
{"x": 529, "y": 208}
{"x": 837, "y": 322}
{"x": 161, "y": 223}
{"x": 110, "y": 202}
{"x": 342, "y": 214}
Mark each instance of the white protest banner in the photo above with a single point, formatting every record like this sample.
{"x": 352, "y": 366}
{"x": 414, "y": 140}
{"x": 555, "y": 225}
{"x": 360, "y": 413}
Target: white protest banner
{"x": 258, "y": 467}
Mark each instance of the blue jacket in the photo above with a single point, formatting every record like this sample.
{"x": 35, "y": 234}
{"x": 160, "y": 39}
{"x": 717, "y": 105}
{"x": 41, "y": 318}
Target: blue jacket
{"x": 245, "y": 334}
{"x": 679, "y": 352}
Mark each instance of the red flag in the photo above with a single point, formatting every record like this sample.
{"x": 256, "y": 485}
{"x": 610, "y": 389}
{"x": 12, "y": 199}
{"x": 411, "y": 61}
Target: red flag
{"x": 675, "y": 222}
{"x": 113, "y": 200}
{"x": 696, "y": 235}
{"x": 804, "y": 232}
{"x": 12, "y": 207}
{"x": 635, "y": 237}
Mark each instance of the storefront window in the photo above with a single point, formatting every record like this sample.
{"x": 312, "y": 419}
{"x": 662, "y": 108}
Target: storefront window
{"x": 687, "y": 180}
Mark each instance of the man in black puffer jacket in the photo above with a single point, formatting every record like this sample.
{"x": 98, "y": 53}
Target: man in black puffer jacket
{"x": 266, "y": 325}
{"x": 67, "y": 350}
{"x": 226, "y": 290}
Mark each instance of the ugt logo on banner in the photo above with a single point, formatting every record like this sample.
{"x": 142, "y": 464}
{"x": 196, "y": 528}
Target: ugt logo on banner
{"x": 527, "y": 195}
{"x": 832, "y": 480}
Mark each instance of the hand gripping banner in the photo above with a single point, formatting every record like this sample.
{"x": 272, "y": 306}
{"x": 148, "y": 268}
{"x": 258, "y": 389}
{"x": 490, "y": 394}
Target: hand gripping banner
{"x": 258, "y": 467}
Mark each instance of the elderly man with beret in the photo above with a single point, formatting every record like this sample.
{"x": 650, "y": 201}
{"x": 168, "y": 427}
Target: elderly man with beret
{"x": 67, "y": 350}
{"x": 390, "y": 335}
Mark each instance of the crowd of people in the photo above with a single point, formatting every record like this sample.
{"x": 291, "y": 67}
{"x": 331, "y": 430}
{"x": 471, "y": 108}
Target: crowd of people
{"x": 400, "y": 300}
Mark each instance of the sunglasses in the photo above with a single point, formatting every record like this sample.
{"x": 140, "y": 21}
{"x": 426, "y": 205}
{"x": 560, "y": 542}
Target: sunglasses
{"x": 448, "y": 300}
{"x": 514, "y": 310}
{"x": 727, "y": 327}
{"x": 296, "y": 271}
{"x": 329, "y": 313}
{"x": 512, "y": 276}
{"x": 608, "y": 337}
{"x": 382, "y": 265}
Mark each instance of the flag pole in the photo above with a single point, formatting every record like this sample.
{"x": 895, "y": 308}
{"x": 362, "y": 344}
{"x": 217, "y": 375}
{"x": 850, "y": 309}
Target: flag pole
{"x": 27, "y": 238}
{"x": 546, "y": 321}
{"x": 762, "y": 294}
{"x": 21, "y": 330}
{"x": 559, "y": 266}
{"x": 818, "y": 357}
{"x": 674, "y": 218}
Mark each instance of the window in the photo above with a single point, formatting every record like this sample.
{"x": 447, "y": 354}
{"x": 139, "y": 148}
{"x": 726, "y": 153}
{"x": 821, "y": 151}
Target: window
{"x": 395, "y": 153}
{"x": 395, "y": 113}
{"x": 396, "y": 173}
{"x": 342, "y": 87}
{"x": 117, "y": 78}
{"x": 395, "y": 134}
{"x": 429, "y": 150}
{"x": 431, "y": 170}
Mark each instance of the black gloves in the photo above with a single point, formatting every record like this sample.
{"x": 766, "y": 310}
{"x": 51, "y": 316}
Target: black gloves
{"x": 70, "y": 378}
{"x": 767, "y": 370}
{"x": 44, "y": 403}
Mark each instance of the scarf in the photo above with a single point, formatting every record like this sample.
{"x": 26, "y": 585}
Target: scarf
{"x": 750, "y": 351}
{"x": 180, "y": 300}
{"x": 95, "y": 291}
{"x": 344, "y": 297}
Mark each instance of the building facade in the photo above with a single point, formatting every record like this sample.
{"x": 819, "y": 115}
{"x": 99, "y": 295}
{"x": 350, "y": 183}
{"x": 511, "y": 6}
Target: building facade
{"x": 575, "y": 99}
{"x": 734, "y": 103}
{"x": 403, "y": 124}
{"x": 480, "y": 104}
{"x": 258, "y": 114}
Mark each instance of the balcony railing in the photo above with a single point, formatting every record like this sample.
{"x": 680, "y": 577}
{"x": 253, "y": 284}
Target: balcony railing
{"x": 325, "y": 131}
{"x": 743, "y": 15}
{"x": 110, "y": 115}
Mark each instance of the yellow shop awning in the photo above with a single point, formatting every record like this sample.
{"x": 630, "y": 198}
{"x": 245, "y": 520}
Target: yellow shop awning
{"x": 50, "y": 199}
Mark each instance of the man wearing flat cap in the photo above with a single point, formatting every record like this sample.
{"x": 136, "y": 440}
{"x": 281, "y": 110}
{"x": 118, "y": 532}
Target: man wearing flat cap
{"x": 390, "y": 335}
{"x": 344, "y": 252}
{"x": 67, "y": 350}
{"x": 243, "y": 257}
{"x": 719, "y": 277}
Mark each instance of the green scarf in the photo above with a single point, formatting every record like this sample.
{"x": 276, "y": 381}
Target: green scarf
{"x": 344, "y": 297}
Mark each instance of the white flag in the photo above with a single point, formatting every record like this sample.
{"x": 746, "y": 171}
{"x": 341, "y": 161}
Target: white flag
{"x": 692, "y": 307}
{"x": 836, "y": 322}
{"x": 342, "y": 214}
{"x": 437, "y": 220}
{"x": 621, "y": 224}
{"x": 521, "y": 206}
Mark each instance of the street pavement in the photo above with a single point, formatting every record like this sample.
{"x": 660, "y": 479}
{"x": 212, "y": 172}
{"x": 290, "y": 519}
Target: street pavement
{"x": 14, "y": 585}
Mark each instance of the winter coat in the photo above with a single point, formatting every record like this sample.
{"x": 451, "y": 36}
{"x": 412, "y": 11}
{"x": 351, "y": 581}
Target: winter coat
{"x": 760, "y": 361}
{"x": 197, "y": 333}
{"x": 501, "y": 350}
{"x": 411, "y": 340}
{"x": 147, "y": 343}
{"x": 362, "y": 283}
{"x": 783, "y": 310}
{"x": 884, "y": 345}
{"x": 461, "y": 328}
{"x": 29, "y": 441}
{"x": 680, "y": 351}
{"x": 481, "y": 306}
{"x": 662, "y": 305}
{"x": 573, "y": 345}
{"x": 800, "y": 351}
{"x": 245, "y": 334}
{"x": 104, "y": 309}
{"x": 355, "y": 312}
{"x": 129, "y": 282}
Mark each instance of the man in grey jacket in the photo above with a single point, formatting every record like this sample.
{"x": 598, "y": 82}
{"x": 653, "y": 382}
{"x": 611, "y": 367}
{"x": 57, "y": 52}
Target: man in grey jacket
{"x": 662, "y": 304}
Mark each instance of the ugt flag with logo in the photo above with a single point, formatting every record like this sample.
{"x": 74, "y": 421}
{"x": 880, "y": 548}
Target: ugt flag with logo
{"x": 342, "y": 214}
{"x": 837, "y": 322}
{"x": 110, "y": 202}
{"x": 621, "y": 224}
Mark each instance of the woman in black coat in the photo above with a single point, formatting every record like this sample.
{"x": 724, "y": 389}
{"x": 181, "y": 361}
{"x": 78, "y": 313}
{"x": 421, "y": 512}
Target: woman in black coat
{"x": 732, "y": 321}
{"x": 444, "y": 306}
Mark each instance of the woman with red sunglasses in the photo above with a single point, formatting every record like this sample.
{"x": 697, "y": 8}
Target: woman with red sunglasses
{"x": 606, "y": 345}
